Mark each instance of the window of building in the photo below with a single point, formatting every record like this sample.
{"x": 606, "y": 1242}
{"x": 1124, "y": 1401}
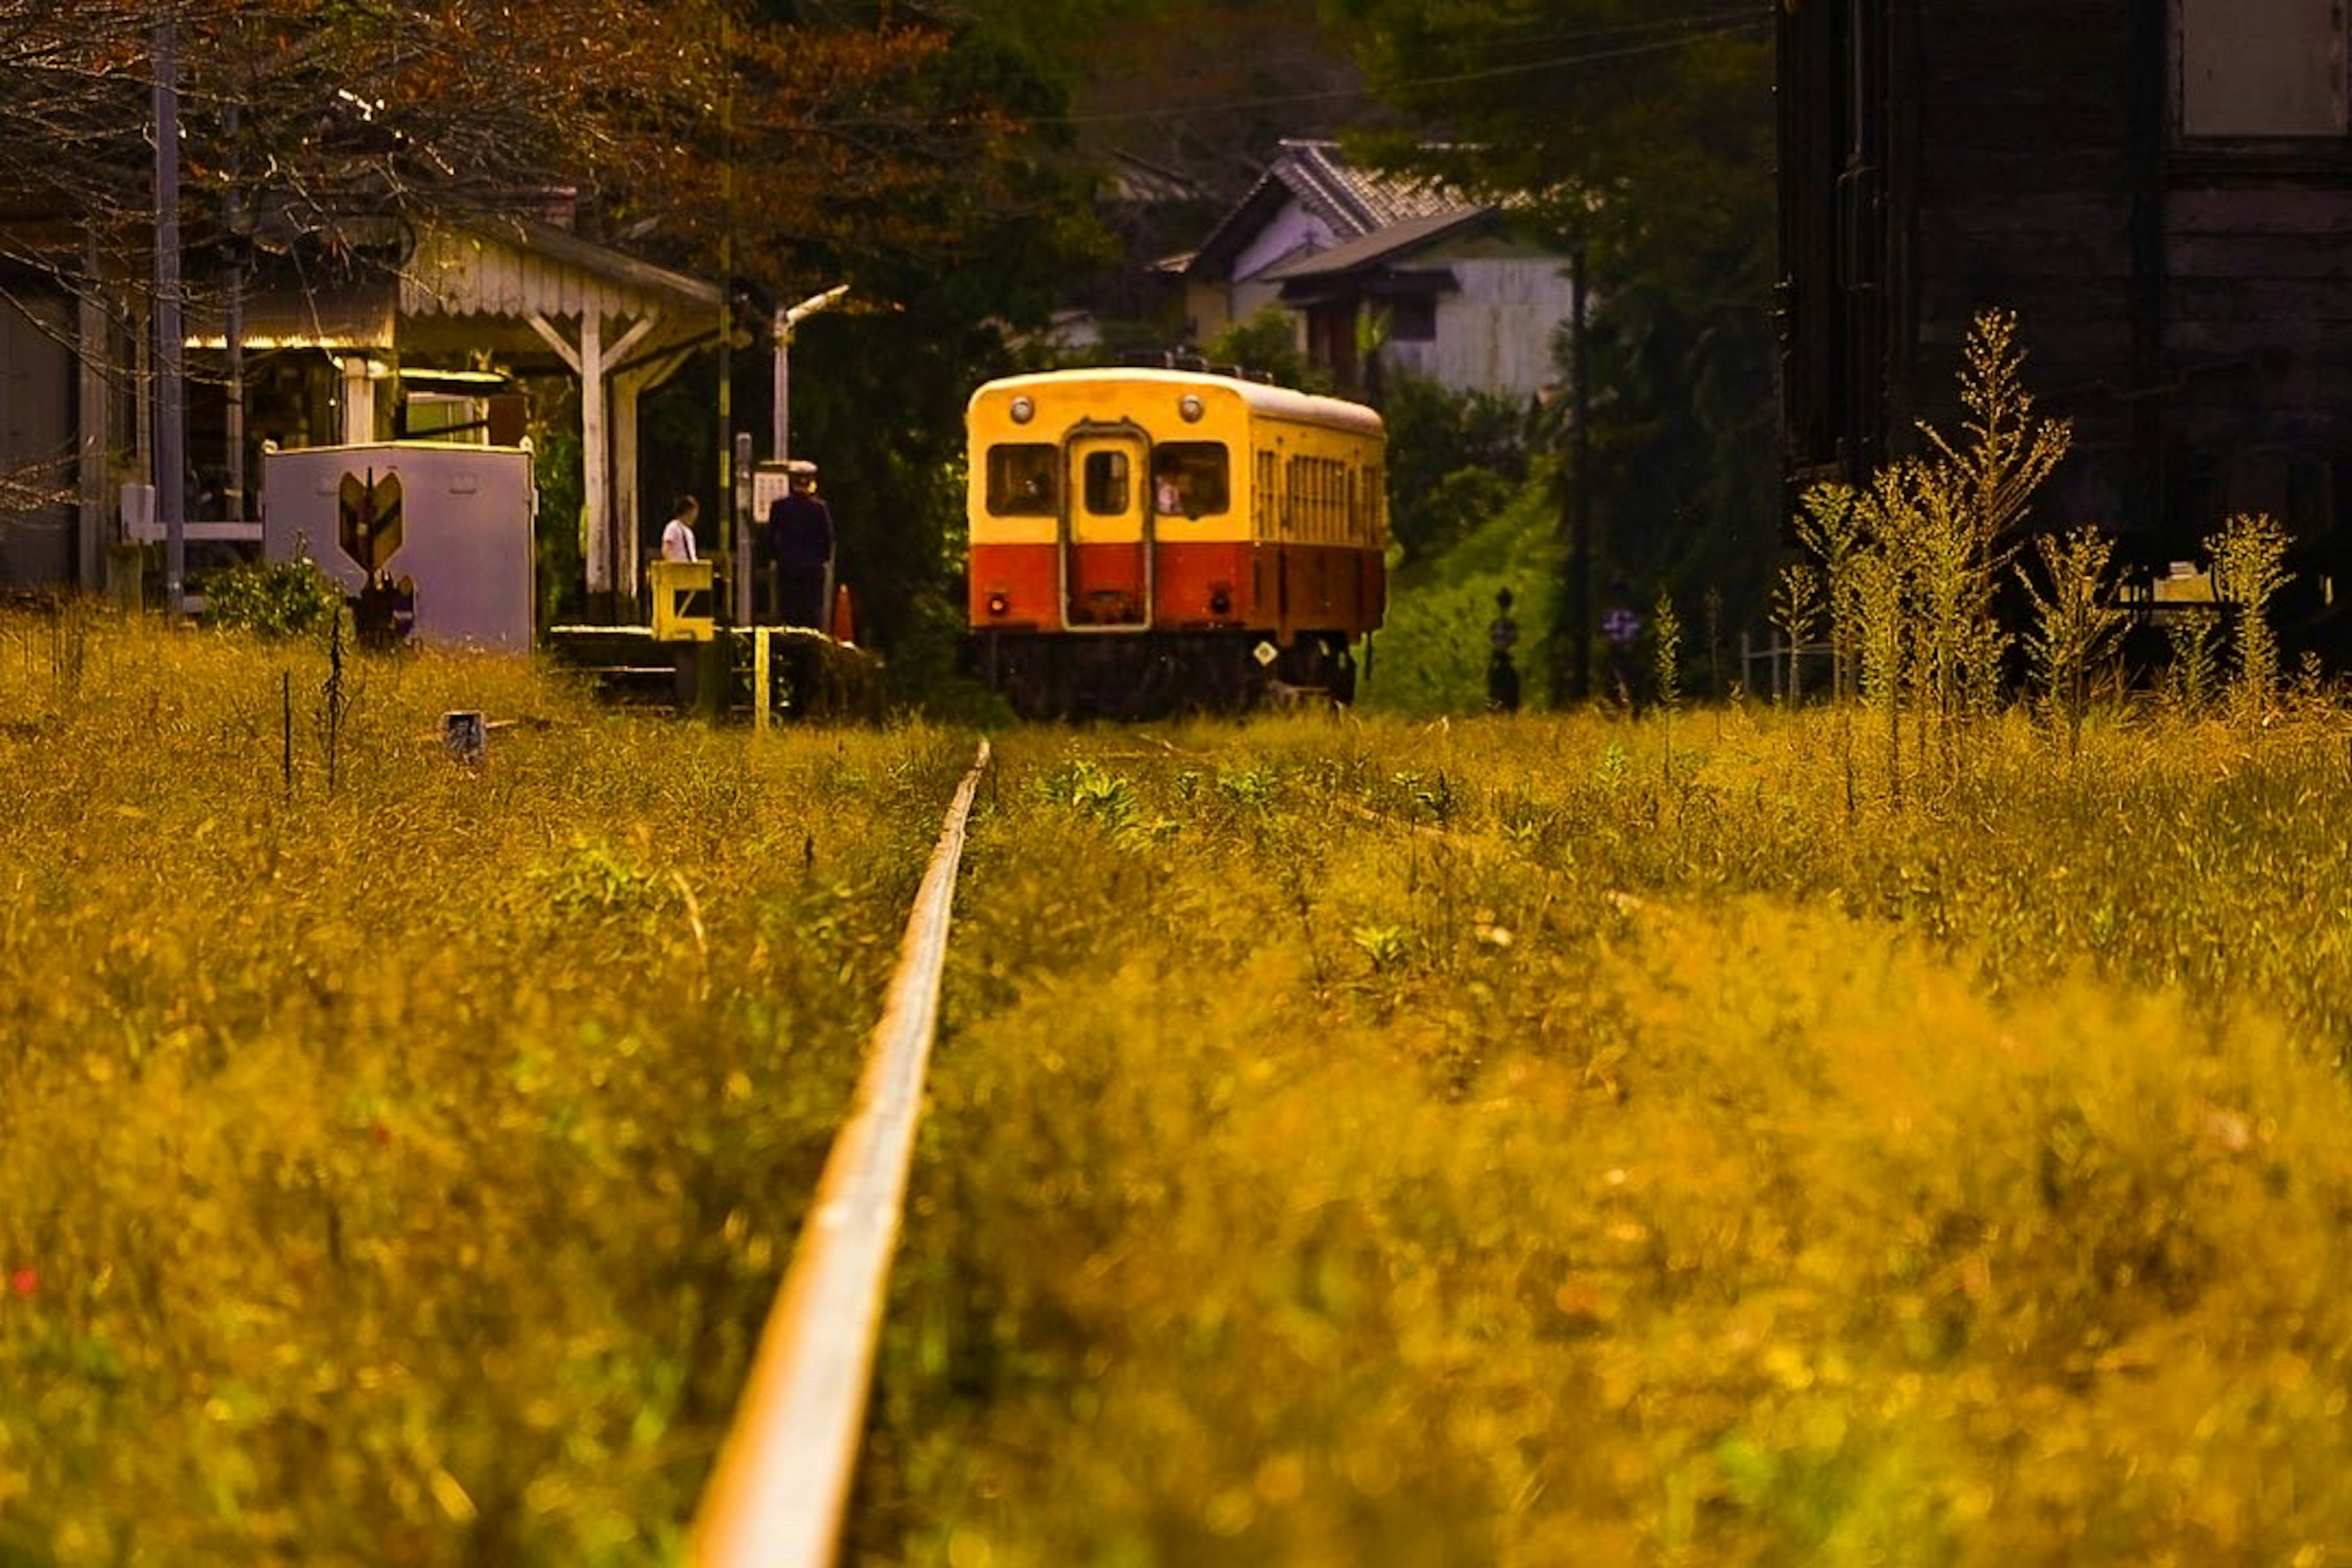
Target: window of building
{"x": 2262, "y": 68}
{"x": 1412, "y": 318}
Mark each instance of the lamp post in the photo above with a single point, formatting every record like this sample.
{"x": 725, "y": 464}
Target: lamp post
{"x": 786, "y": 320}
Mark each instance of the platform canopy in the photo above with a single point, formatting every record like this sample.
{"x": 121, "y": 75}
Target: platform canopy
{"x": 527, "y": 296}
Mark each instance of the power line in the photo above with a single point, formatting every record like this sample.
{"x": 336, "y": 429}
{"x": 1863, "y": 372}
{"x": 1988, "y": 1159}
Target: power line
{"x": 1747, "y": 22}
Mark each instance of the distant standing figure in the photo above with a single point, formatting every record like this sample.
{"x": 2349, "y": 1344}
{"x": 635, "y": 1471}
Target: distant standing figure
{"x": 1621, "y": 625}
{"x": 799, "y": 543}
{"x": 678, "y": 535}
{"x": 1502, "y": 674}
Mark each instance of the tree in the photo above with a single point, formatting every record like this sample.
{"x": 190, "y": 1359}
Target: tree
{"x": 780, "y": 145}
{"x": 1642, "y": 134}
{"x": 942, "y": 192}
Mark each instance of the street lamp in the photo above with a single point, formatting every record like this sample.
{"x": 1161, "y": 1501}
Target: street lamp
{"x": 786, "y": 320}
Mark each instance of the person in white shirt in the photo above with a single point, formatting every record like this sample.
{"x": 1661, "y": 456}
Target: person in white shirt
{"x": 677, "y": 538}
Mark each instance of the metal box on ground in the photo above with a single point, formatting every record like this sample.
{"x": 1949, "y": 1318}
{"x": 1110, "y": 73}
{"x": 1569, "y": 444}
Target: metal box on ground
{"x": 450, "y": 527}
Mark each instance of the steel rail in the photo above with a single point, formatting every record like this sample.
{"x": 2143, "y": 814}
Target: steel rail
{"x": 780, "y": 1489}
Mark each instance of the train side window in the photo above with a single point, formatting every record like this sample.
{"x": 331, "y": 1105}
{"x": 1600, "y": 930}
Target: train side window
{"x": 1191, "y": 479}
{"x": 1106, "y": 484}
{"x": 1021, "y": 479}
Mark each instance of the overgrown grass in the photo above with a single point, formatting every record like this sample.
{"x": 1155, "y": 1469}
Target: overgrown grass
{"x": 399, "y": 1172}
{"x": 1480, "y": 1143}
{"x": 1354, "y": 1140}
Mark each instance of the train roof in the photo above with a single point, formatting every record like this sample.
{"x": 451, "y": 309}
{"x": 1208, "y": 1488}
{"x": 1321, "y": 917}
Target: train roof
{"x": 1264, "y": 398}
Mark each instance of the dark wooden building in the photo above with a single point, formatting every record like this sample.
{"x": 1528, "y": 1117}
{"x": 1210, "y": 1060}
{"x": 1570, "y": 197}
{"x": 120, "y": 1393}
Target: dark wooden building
{"x": 2160, "y": 189}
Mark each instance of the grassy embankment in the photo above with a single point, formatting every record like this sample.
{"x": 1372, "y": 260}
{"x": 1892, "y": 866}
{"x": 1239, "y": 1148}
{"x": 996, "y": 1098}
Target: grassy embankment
{"x": 1430, "y": 658}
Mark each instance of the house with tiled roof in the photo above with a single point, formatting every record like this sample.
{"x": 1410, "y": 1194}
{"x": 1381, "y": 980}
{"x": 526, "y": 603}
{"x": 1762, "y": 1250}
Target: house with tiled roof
{"x": 1448, "y": 287}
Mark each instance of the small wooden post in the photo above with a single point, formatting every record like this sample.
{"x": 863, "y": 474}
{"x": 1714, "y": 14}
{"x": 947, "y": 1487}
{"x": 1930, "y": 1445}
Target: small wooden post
{"x": 760, "y": 677}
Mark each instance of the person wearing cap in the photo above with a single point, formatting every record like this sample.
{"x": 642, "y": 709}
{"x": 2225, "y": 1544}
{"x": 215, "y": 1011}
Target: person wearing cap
{"x": 800, "y": 545}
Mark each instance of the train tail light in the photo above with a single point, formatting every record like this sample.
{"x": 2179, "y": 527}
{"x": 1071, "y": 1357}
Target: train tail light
{"x": 1221, "y": 598}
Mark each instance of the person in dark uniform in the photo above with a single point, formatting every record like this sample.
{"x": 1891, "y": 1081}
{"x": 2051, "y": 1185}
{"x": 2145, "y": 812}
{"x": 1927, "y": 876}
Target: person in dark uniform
{"x": 1502, "y": 673}
{"x": 800, "y": 546}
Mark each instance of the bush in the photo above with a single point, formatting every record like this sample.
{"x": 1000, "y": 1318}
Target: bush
{"x": 274, "y": 598}
{"x": 1454, "y": 461}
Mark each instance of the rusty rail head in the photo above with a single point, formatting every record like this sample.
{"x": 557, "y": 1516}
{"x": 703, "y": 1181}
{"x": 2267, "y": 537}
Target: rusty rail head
{"x": 780, "y": 1489}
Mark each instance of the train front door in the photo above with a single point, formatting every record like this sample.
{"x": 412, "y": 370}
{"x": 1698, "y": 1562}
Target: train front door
{"x": 1107, "y": 529}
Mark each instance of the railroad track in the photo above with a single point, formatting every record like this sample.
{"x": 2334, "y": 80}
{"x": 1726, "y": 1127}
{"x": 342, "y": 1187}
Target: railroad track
{"x": 779, "y": 1493}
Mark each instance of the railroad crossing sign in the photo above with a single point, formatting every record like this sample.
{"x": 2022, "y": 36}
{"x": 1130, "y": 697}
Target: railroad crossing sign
{"x": 368, "y": 520}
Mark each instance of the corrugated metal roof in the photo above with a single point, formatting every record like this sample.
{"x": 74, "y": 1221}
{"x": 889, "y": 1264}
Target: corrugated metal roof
{"x": 481, "y": 275}
{"x": 514, "y": 265}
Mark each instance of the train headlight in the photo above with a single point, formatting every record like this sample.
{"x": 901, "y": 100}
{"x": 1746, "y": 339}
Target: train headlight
{"x": 1190, "y": 408}
{"x": 1221, "y": 599}
{"x": 999, "y": 604}
{"x": 1024, "y": 411}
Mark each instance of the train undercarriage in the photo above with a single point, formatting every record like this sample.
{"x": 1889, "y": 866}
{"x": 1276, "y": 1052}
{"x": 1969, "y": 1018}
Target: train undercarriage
{"x": 1157, "y": 675}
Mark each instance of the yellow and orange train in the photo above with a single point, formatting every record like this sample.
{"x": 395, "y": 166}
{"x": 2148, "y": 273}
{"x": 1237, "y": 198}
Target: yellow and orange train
{"x": 1146, "y": 541}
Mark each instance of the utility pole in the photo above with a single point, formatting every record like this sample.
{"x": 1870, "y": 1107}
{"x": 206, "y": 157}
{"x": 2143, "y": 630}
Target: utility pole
{"x": 170, "y": 342}
{"x": 731, "y": 507}
{"x": 233, "y": 501}
{"x": 1580, "y": 516}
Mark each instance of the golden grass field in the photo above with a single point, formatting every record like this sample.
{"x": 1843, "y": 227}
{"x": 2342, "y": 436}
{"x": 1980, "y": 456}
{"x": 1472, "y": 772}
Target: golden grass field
{"x": 1563, "y": 1139}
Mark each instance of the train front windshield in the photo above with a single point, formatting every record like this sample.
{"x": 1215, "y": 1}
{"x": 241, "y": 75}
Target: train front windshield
{"x": 1190, "y": 478}
{"x": 1023, "y": 480}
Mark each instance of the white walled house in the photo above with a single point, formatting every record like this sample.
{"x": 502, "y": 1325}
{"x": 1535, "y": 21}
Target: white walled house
{"x": 1447, "y": 288}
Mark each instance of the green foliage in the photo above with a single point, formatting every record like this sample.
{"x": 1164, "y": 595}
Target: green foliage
{"x": 1431, "y": 657}
{"x": 273, "y": 598}
{"x": 1642, "y": 142}
{"x": 1455, "y": 459}
{"x": 558, "y": 568}
{"x": 1266, "y": 342}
